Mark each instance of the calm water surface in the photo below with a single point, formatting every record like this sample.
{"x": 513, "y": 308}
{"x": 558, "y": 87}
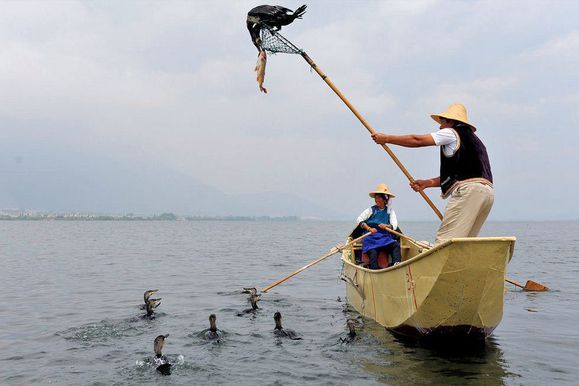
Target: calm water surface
{"x": 71, "y": 293}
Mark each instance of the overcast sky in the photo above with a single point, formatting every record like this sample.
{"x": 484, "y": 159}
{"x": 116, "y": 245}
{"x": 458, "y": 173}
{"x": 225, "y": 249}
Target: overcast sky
{"x": 172, "y": 82}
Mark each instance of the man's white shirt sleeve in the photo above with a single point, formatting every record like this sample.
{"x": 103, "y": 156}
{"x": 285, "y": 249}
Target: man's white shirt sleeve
{"x": 447, "y": 139}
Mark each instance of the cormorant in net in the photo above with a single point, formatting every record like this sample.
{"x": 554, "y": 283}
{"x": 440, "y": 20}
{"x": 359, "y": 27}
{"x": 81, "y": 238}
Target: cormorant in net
{"x": 274, "y": 16}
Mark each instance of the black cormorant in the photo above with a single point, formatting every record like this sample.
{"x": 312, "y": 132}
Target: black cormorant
{"x": 253, "y": 299}
{"x": 212, "y": 333}
{"x": 351, "y": 323}
{"x": 160, "y": 360}
{"x": 280, "y": 331}
{"x": 147, "y": 295}
{"x": 274, "y": 16}
{"x": 150, "y": 307}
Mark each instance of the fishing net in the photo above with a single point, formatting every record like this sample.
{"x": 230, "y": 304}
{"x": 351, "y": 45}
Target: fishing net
{"x": 273, "y": 42}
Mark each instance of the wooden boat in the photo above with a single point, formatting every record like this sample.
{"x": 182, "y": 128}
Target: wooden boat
{"x": 454, "y": 290}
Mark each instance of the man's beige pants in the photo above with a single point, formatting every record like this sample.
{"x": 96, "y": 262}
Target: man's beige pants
{"x": 468, "y": 207}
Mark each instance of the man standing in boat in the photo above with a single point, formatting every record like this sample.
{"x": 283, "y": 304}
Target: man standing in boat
{"x": 465, "y": 172}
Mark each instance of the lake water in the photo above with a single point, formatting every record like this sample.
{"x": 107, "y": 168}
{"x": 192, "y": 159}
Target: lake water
{"x": 71, "y": 293}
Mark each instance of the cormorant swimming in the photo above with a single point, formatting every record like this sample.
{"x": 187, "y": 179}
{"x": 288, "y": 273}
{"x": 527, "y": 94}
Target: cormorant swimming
{"x": 274, "y": 16}
{"x": 150, "y": 307}
{"x": 253, "y": 299}
{"x": 161, "y": 361}
{"x": 146, "y": 296}
{"x": 351, "y": 323}
{"x": 212, "y": 333}
{"x": 279, "y": 331}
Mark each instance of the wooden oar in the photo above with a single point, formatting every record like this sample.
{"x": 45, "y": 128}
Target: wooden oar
{"x": 407, "y": 238}
{"x": 529, "y": 286}
{"x": 333, "y": 251}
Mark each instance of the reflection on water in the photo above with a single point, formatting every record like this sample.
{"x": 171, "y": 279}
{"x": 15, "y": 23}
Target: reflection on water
{"x": 405, "y": 361}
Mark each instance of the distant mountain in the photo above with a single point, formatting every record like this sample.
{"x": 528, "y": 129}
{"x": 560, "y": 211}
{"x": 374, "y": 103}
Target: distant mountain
{"x": 60, "y": 180}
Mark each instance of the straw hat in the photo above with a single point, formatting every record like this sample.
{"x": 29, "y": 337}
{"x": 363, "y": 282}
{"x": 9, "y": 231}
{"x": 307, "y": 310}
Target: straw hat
{"x": 455, "y": 111}
{"x": 381, "y": 189}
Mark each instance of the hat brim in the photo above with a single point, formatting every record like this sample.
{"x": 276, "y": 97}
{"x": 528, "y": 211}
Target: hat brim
{"x": 437, "y": 117}
{"x": 373, "y": 194}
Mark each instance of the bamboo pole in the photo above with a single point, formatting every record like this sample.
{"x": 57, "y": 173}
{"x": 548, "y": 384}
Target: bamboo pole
{"x": 333, "y": 251}
{"x": 407, "y": 238}
{"x": 369, "y": 128}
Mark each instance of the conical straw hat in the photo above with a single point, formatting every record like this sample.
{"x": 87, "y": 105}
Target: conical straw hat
{"x": 455, "y": 111}
{"x": 381, "y": 189}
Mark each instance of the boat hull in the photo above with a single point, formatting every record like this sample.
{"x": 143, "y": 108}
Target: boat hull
{"x": 454, "y": 290}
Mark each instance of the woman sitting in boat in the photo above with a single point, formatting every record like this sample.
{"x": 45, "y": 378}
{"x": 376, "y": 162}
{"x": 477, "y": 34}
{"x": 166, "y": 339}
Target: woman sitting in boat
{"x": 376, "y": 219}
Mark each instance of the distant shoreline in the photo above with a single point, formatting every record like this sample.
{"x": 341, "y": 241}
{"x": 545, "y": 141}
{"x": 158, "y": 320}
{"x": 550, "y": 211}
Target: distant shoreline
{"x": 160, "y": 217}
{"x": 15, "y": 215}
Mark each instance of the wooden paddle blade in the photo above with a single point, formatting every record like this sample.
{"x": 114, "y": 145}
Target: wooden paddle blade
{"x": 534, "y": 286}
{"x": 514, "y": 283}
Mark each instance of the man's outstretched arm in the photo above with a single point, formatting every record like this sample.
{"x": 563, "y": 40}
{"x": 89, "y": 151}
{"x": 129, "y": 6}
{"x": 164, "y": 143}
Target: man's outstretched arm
{"x": 409, "y": 140}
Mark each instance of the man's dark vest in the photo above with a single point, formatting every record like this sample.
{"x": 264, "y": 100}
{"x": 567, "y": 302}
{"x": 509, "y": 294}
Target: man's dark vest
{"x": 469, "y": 161}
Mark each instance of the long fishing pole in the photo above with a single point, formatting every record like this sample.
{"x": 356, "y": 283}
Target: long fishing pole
{"x": 274, "y": 42}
